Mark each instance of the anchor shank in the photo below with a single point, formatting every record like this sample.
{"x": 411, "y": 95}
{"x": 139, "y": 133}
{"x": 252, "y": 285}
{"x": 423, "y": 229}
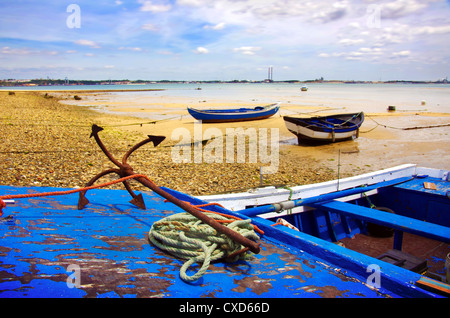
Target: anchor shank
{"x": 235, "y": 236}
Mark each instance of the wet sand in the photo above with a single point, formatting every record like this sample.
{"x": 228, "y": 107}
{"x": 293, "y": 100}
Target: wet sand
{"x": 383, "y": 140}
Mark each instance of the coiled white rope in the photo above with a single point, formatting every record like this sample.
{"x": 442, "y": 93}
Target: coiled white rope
{"x": 184, "y": 236}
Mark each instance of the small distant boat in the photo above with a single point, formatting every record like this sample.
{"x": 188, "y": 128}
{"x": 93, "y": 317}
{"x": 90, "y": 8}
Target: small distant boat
{"x": 304, "y": 88}
{"x": 325, "y": 128}
{"x": 235, "y": 114}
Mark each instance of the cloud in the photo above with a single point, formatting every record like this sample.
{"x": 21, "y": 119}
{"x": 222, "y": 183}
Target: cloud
{"x": 194, "y": 3}
{"x": 219, "y": 26}
{"x": 149, "y": 27}
{"x": 25, "y": 51}
{"x": 247, "y": 50}
{"x": 201, "y": 50}
{"x": 8, "y": 50}
{"x": 337, "y": 11}
{"x": 135, "y": 49}
{"x": 428, "y": 30}
{"x": 89, "y": 43}
{"x": 348, "y": 42}
{"x": 401, "y": 8}
{"x": 364, "y": 53}
{"x": 401, "y": 54}
{"x": 148, "y": 6}
{"x": 109, "y": 66}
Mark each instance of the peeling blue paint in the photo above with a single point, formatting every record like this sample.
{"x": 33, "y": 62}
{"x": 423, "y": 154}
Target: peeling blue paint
{"x": 108, "y": 241}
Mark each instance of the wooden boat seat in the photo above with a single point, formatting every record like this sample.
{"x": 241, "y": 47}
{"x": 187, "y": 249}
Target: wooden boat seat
{"x": 398, "y": 222}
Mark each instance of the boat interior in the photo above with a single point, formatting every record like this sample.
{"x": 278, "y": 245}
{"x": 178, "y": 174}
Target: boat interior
{"x": 399, "y": 224}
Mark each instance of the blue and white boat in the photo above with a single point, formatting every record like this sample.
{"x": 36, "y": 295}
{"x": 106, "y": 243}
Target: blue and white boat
{"x": 233, "y": 114}
{"x": 50, "y": 248}
{"x": 330, "y": 128}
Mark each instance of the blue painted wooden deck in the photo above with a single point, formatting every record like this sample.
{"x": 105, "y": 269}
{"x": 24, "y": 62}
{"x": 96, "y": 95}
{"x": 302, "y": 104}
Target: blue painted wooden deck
{"x": 43, "y": 239}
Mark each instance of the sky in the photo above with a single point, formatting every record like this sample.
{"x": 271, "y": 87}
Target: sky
{"x": 225, "y": 39}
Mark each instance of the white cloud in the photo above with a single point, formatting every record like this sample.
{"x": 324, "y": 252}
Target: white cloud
{"x": 428, "y": 30}
{"x": 194, "y": 3}
{"x": 364, "y": 53}
{"x": 326, "y": 14}
{"x": 348, "y": 42}
{"x": 247, "y": 50}
{"x": 25, "y": 51}
{"x": 135, "y": 49}
{"x": 89, "y": 43}
{"x": 148, "y": 6}
{"x": 201, "y": 50}
{"x": 401, "y": 54}
{"x": 149, "y": 27}
{"x": 219, "y": 26}
{"x": 109, "y": 66}
{"x": 400, "y": 8}
{"x": 8, "y": 50}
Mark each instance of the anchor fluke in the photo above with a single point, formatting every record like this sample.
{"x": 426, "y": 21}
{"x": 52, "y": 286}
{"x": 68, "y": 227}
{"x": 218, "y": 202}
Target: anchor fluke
{"x": 156, "y": 139}
{"x": 138, "y": 201}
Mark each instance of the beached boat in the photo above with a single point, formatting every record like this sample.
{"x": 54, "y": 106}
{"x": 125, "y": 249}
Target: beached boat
{"x": 325, "y": 128}
{"x": 399, "y": 216}
{"x": 304, "y": 88}
{"x": 233, "y": 114}
{"x": 51, "y": 248}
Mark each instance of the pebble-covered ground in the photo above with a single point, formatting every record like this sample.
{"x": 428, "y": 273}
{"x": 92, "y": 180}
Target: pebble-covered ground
{"x": 46, "y": 143}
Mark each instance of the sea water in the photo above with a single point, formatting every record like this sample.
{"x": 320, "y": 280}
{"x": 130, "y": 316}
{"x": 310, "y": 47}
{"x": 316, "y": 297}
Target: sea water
{"x": 337, "y": 96}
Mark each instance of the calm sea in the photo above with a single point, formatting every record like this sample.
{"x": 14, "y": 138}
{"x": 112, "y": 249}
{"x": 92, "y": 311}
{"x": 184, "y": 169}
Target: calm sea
{"x": 349, "y": 97}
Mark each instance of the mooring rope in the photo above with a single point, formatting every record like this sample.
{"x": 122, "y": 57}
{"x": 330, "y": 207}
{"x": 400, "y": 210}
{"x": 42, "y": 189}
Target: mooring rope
{"x": 186, "y": 237}
{"x": 65, "y": 192}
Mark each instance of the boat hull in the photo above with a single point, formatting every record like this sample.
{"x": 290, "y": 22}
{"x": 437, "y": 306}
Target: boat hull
{"x": 52, "y": 249}
{"x": 233, "y": 115}
{"x": 411, "y": 201}
{"x": 326, "y": 128}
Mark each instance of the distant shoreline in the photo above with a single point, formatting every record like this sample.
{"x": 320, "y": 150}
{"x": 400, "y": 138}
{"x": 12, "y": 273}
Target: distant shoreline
{"x": 48, "y": 84}
{"x": 84, "y": 91}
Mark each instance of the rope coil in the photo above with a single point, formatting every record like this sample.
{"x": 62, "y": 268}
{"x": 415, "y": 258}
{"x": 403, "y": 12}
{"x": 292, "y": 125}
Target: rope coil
{"x": 186, "y": 237}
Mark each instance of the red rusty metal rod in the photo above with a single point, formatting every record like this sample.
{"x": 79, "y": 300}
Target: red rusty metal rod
{"x": 156, "y": 141}
{"x": 235, "y": 236}
{"x": 95, "y": 130}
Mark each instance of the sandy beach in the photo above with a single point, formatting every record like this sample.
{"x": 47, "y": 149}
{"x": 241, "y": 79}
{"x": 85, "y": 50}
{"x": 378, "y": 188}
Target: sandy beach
{"x": 46, "y": 143}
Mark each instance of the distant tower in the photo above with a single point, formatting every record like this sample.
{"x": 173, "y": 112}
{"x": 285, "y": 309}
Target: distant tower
{"x": 270, "y": 74}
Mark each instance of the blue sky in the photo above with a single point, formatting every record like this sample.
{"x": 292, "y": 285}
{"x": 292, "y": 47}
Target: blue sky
{"x": 225, "y": 39}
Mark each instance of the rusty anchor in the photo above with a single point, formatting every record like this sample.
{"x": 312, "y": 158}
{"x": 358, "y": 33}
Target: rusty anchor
{"x": 124, "y": 170}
